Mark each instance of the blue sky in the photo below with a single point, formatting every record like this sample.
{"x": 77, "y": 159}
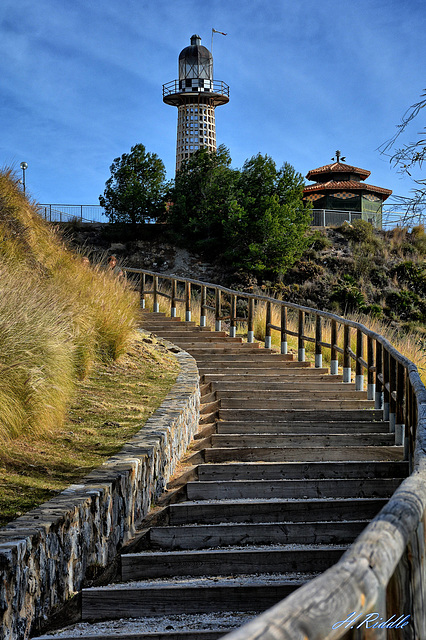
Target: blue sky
{"x": 81, "y": 82}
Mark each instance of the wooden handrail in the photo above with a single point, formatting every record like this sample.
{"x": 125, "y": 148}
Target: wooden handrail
{"x": 391, "y": 551}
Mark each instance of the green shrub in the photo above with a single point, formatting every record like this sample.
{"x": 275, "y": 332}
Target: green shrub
{"x": 407, "y": 304}
{"x": 347, "y": 294}
{"x": 358, "y": 231}
{"x": 413, "y": 274}
{"x": 318, "y": 241}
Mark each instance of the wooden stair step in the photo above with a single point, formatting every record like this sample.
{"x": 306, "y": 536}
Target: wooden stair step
{"x": 295, "y": 403}
{"x": 300, "y": 427}
{"x": 245, "y": 355}
{"x": 305, "y": 488}
{"x": 293, "y": 439}
{"x": 123, "y": 635}
{"x": 251, "y": 367}
{"x": 290, "y": 454}
{"x": 169, "y": 627}
{"x": 294, "y": 374}
{"x": 314, "y": 415}
{"x": 299, "y": 510}
{"x": 229, "y": 561}
{"x": 264, "y": 383}
{"x": 272, "y": 395}
{"x": 202, "y": 350}
{"x": 187, "y": 596}
{"x": 301, "y": 470}
{"x": 243, "y": 361}
{"x": 203, "y": 336}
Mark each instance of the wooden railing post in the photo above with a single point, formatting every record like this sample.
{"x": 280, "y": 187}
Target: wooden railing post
{"x": 203, "y": 314}
{"x": 400, "y": 402}
{"x": 371, "y": 387}
{"x": 334, "y": 363}
{"x": 173, "y": 300}
{"x": 284, "y": 343}
{"x": 155, "y": 294}
{"x": 233, "y": 318}
{"x": 385, "y": 384}
{"x": 301, "y": 342}
{"x": 392, "y": 392}
{"x": 359, "y": 375}
{"x": 268, "y": 338}
{"x": 250, "y": 321}
{"x": 378, "y": 404}
{"x": 187, "y": 301}
{"x": 218, "y": 310}
{"x": 142, "y": 283}
{"x": 318, "y": 339}
{"x": 347, "y": 368}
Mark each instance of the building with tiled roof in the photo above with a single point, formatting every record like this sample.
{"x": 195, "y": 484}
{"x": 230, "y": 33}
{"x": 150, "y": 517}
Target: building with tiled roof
{"x": 341, "y": 188}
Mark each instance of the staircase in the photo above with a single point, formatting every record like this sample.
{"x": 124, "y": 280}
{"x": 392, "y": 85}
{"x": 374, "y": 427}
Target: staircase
{"x": 288, "y": 467}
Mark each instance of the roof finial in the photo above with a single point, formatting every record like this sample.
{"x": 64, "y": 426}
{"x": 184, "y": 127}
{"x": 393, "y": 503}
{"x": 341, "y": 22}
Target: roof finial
{"x": 338, "y": 157}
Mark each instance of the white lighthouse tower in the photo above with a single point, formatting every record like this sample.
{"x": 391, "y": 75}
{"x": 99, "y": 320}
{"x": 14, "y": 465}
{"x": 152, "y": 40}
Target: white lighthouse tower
{"x": 196, "y": 95}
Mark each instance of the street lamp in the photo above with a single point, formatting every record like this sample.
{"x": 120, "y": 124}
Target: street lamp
{"x": 23, "y": 166}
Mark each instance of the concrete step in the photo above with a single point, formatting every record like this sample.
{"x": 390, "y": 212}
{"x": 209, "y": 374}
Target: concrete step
{"x": 306, "y": 488}
{"x": 275, "y": 559}
{"x": 201, "y": 595}
{"x": 299, "y": 510}
{"x": 289, "y": 454}
{"x": 301, "y": 470}
{"x": 294, "y": 439}
{"x": 301, "y": 427}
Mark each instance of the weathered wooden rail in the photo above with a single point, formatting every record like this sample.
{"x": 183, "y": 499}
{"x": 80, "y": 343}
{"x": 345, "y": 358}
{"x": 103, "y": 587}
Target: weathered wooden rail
{"x": 385, "y": 570}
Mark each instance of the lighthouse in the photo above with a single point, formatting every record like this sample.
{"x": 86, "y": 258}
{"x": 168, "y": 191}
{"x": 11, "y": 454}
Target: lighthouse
{"x": 196, "y": 95}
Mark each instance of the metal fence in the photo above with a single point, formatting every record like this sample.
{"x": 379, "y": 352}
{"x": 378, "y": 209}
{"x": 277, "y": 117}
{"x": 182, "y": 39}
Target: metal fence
{"x": 320, "y": 217}
{"x": 332, "y": 218}
{"x": 68, "y": 212}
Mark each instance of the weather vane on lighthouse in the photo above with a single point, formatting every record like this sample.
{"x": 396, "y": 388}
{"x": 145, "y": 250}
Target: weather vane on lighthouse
{"x": 196, "y": 95}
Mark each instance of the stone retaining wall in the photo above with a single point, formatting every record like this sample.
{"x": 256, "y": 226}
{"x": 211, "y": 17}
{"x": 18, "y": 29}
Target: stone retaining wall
{"x": 46, "y": 554}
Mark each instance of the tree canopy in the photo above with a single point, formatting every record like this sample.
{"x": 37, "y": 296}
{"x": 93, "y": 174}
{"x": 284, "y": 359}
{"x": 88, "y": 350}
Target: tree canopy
{"x": 136, "y": 189}
{"x": 254, "y": 218}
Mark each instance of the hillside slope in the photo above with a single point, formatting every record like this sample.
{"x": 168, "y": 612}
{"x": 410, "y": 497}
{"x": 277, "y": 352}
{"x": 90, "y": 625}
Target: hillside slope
{"x": 352, "y": 269}
{"x": 57, "y": 316}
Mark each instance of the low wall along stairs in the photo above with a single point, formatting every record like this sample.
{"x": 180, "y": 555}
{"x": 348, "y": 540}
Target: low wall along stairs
{"x": 289, "y": 466}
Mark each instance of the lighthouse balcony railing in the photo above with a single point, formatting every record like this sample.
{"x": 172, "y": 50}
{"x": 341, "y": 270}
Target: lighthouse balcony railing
{"x": 212, "y": 86}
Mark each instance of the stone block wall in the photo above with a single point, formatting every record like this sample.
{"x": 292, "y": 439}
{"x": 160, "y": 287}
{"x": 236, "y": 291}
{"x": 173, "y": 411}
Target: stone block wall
{"x": 46, "y": 554}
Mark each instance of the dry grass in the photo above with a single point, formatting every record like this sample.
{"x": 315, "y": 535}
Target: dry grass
{"x": 410, "y": 344}
{"x": 57, "y": 317}
{"x": 108, "y": 408}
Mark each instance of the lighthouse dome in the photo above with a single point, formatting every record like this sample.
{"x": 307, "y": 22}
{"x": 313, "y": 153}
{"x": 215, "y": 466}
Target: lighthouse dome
{"x": 195, "y": 61}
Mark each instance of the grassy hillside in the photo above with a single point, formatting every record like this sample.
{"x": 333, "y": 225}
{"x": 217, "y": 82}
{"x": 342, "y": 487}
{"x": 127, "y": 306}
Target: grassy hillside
{"x": 57, "y": 317}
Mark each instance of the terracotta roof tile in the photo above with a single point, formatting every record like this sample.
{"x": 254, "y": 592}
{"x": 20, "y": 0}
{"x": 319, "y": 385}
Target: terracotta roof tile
{"x": 335, "y": 167}
{"x": 351, "y": 185}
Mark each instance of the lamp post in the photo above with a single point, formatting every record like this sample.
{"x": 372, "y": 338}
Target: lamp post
{"x": 23, "y": 166}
